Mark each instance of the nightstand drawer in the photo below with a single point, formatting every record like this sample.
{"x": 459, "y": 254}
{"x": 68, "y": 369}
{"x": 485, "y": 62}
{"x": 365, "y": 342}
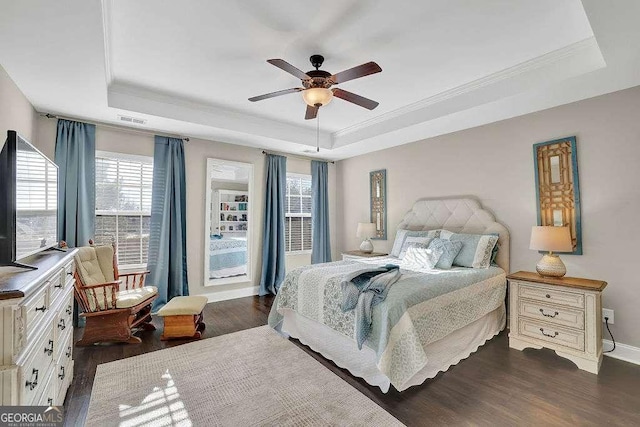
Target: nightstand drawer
{"x": 552, "y": 314}
{"x": 569, "y": 299}
{"x": 552, "y": 334}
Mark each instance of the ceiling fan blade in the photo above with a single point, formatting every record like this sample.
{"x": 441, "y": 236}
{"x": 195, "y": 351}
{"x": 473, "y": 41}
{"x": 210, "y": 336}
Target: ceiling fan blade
{"x": 312, "y": 112}
{"x": 274, "y": 94}
{"x": 356, "y": 72}
{"x": 284, "y": 65}
{"x": 356, "y": 99}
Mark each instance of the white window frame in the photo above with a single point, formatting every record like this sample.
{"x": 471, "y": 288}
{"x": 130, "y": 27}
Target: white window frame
{"x": 288, "y": 215}
{"x": 135, "y": 158}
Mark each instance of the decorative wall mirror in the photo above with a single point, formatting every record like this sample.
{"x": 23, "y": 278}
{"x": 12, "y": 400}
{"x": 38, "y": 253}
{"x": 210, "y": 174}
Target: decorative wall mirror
{"x": 228, "y": 221}
{"x": 378, "y": 202}
{"x": 557, "y": 187}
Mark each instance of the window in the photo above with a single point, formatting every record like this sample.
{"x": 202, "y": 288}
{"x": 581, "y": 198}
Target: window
{"x": 298, "y": 213}
{"x": 123, "y": 205}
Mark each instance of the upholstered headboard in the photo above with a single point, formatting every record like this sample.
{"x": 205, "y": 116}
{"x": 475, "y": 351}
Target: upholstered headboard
{"x": 460, "y": 215}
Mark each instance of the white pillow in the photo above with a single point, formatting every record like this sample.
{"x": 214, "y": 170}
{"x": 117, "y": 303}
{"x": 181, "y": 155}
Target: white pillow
{"x": 418, "y": 258}
{"x": 419, "y": 242}
{"x": 403, "y": 234}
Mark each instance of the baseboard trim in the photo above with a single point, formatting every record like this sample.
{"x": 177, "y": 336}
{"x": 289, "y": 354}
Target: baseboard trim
{"x": 232, "y": 294}
{"x": 623, "y": 352}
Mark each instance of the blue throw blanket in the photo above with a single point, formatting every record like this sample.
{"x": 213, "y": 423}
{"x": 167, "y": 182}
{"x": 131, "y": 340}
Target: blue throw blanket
{"x": 364, "y": 289}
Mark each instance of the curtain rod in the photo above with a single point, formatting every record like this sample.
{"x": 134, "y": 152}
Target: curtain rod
{"x": 120, "y": 128}
{"x": 297, "y": 157}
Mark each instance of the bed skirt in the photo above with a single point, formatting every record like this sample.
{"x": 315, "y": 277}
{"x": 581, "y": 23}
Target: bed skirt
{"x": 344, "y": 352}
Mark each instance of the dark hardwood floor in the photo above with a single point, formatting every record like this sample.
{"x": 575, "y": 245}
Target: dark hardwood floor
{"x": 494, "y": 386}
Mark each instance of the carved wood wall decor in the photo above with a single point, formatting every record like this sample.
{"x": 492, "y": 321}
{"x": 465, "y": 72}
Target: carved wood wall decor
{"x": 378, "y": 202}
{"x": 557, "y": 187}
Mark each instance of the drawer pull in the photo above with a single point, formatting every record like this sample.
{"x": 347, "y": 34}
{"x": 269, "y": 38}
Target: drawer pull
{"x": 61, "y": 325}
{"x": 49, "y": 401}
{"x": 49, "y": 349}
{"x": 548, "y": 296}
{"x": 42, "y": 309}
{"x": 32, "y": 384}
{"x": 69, "y": 310}
{"x": 555, "y": 313}
{"x": 555, "y": 334}
{"x": 61, "y": 374}
{"x": 70, "y": 273}
{"x": 59, "y": 286}
{"x": 68, "y": 353}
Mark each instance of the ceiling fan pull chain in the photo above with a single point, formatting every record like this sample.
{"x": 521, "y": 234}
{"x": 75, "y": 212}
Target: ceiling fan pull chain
{"x": 318, "y": 131}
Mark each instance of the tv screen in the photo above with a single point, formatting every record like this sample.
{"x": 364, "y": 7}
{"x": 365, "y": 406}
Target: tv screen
{"x": 30, "y": 198}
{"x": 36, "y": 200}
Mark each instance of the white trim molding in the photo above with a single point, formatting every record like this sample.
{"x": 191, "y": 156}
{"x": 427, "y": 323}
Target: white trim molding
{"x": 623, "y": 352}
{"x": 231, "y": 294}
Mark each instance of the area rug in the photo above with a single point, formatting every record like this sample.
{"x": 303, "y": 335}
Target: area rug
{"x": 249, "y": 378}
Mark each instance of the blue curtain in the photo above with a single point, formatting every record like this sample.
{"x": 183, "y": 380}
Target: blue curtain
{"x": 321, "y": 245}
{"x": 168, "y": 228}
{"x": 75, "y": 155}
{"x": 273, "y": 245}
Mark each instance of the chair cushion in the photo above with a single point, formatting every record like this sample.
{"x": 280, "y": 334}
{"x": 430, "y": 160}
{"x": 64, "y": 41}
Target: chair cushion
{"x": 105, "y": 260}
{"x": 89, "y": 267}
{"x": 133, "y": 297}
{"x": 124, "y": 299}
{"x": 180, "y": 306}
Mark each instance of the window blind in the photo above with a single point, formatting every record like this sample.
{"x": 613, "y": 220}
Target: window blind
{"x": 123, "y": 205}
{"x": 298, "y": 213}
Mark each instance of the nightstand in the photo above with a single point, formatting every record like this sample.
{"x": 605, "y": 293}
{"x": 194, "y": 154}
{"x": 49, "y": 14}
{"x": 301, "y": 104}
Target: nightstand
{"x": 562, "y": 314}
{"x": 360, "y": 255}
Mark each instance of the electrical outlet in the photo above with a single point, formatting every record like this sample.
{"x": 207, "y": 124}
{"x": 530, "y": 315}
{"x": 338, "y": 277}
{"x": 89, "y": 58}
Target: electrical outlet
{"x": 606, "y": 312}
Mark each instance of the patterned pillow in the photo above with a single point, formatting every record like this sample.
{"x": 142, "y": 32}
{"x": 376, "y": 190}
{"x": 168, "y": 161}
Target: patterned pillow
{"x": 420, "y": 242}
{"x": 477, "y": 249}
{"x": 403, "y": 234}
{"x": 418, "y": 258}
{"x": 449, "y": 252}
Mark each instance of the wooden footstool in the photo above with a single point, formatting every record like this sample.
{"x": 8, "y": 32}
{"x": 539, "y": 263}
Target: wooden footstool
{"x": 183, "y": 317}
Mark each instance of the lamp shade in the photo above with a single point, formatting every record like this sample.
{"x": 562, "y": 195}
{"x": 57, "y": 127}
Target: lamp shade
{"x": 552, "y": 239}
{"x": 317, "y": 95}
{"x": 366, "y": 230}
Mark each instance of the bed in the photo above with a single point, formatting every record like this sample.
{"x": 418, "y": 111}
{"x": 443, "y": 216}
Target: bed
{"x": 227, "y": 257}
{"x": 429, "y": 321}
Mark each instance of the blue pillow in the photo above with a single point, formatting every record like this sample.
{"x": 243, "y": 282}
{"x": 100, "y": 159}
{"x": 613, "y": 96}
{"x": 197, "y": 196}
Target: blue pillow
{"x": 477, "y": 249}
{"x": 449, "y": 249}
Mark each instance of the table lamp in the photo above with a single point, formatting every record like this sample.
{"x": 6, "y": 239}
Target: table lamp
{"x": 551, "y": 239}
{"x": 366, "y": 230}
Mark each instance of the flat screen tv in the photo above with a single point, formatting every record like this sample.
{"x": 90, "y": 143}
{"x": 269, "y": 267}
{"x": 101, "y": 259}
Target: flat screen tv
{"x": 28, "y": 201}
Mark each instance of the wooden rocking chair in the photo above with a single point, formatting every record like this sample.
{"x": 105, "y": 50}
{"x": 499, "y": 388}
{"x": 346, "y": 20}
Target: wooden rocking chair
{"x": 111, "y": 313}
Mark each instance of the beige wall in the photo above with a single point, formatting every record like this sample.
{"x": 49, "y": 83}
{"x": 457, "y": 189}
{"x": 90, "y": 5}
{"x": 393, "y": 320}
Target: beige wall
{"x": 16, "y": 112}
{"x": 196, "y": 153}
{"x": 495, "y": 164}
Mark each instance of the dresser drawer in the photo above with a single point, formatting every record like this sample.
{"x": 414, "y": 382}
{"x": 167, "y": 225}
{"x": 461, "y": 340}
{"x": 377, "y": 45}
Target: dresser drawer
{"x": 48, "y": 396}
{"x": 64, "y": 318}
{"x": 549, "y": 313}
{"x": 67, "y": 272}
{"x": 36, "y": 309}
{"x": 57, "y": 285}
{"x": 552, "y": 334}
{"x": 36, "y": 367}
{"x": 64, "y": 368}
{"x": 569, "y": 299}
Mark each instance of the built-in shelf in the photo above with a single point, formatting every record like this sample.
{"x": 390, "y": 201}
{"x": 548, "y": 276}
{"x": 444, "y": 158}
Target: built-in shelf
{"x": 240, "y": 201}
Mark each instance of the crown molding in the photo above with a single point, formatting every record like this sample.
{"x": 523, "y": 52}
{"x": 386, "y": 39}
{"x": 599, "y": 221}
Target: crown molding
{"x": 106, "y": 33}
{"x": 587, "y": 46}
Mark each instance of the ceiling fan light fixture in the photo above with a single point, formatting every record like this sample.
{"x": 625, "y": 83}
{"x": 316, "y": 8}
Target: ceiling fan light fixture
{"x": 317, "y": 95}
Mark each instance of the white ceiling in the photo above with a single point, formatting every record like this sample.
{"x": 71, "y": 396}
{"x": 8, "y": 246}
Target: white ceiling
{"x": 188, "y": 67}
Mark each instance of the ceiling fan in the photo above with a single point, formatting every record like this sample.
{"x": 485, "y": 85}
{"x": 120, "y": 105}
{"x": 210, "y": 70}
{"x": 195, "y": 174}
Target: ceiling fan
{"x": 316, "y": 84}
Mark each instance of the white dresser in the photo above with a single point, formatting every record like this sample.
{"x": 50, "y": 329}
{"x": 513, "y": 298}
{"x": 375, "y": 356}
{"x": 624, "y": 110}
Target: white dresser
{"x": 37, "y": 330}
{"x": 562, "y": 314}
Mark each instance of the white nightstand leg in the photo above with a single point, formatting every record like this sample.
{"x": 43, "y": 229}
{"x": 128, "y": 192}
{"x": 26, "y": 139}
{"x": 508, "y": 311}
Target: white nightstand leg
{"x": 592, "y": 366}
{"x": 517, "y": 344}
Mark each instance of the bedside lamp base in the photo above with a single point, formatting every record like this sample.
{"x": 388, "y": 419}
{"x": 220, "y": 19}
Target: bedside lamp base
{"x": 366, "y": 246}
{"x": 551, "y": 266}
